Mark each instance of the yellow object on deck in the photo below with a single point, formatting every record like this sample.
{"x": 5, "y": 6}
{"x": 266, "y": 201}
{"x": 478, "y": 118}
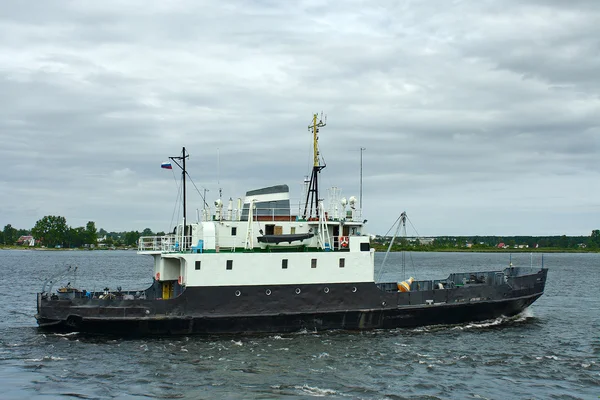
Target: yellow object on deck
{"x": 404, "y": 286}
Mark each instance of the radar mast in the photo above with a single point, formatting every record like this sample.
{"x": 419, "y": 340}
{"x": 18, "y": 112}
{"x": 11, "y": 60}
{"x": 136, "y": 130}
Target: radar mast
{"x": 312, "y": 195}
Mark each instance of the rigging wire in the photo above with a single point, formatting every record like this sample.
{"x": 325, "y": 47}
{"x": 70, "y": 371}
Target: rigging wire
{"x": 382, "y": 267}
{"x": 176, "y": 200}
{"x": 393, "y": 225}
{"x": 177, "y": 206}
{"x": 197, "y": 190}
{"x": 411, "y": 224}
{"x": 399, "y": 225}
{"x": 418, "y": 237}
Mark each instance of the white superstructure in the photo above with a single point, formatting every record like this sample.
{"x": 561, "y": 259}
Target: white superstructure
{"x": 226, "y": 249}
{"x": 261, "y": 242}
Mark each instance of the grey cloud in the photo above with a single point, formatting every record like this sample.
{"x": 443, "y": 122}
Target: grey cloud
{"x": 474, "y": 114}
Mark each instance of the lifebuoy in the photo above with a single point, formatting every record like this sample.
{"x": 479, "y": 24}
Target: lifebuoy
{"x": 179, "y": 280}
{"x": 344, "y": 241}
{"x": 158, "y": 276}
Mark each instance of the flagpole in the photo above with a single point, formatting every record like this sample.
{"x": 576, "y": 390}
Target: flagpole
{"x": 184, "y": 244}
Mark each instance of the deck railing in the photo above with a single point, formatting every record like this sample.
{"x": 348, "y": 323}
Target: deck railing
{"x": 282, "y": 214}
{"x": 158, "y": 243}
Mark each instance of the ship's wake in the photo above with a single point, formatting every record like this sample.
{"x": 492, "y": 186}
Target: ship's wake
{"x": 525, "y": 316}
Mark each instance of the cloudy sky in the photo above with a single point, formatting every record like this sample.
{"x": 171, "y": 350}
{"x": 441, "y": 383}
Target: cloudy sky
{"x": 478, "y": 117}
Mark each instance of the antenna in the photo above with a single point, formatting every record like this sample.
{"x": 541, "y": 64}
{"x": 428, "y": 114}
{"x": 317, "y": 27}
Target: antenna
{"x": 219, "y": 173}
{"x": 361, "y": 176}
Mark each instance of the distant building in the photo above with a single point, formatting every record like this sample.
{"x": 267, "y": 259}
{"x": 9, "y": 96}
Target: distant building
{"x": 26, "y": 240}
{"x": 502, "y": 246}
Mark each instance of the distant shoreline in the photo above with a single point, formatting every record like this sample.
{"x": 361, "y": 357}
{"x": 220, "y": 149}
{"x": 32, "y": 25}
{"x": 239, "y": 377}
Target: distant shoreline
{"x": 61, "y": 249}
{"x": 377, "y": 248}
{"x": 488, "y": 250}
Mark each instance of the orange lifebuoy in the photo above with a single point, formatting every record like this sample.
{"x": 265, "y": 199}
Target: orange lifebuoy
{"x": 158, "y": 276}
{"x": 179, "y": 280}
{"x": 344, "y": 241}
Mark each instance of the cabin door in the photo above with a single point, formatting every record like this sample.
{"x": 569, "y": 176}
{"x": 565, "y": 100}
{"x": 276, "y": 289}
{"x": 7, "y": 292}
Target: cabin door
{"x": 269, "y": 229}
{"x": 167, "y": 290}
{"x": 336, "y": 237}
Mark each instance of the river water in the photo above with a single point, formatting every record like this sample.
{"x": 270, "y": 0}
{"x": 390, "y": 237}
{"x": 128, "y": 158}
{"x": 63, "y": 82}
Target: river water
{"x": 551, "y": 351}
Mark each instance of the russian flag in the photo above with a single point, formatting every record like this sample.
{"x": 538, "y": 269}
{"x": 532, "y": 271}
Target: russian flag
{"x": 166, "y": 165}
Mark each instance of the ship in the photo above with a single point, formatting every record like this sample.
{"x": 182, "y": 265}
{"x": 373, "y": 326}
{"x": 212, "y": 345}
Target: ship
{"x": 259, "y": 265}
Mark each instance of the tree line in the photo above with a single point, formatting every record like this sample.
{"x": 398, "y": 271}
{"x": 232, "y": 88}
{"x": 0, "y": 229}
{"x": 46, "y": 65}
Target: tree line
{"x": 53, "y": 231}
{"x": 563, "y": 242}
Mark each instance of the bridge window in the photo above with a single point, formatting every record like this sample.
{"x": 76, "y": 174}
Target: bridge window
{"x": 233, "y": 231}
{"x": 197, "y": 265}
{"x": 342, "y": 262}
{"x": 365, "y": 247}
{"x": 284, "y": 263}
{"x": 313, "y": 263}
{"x": 229, "y": 264}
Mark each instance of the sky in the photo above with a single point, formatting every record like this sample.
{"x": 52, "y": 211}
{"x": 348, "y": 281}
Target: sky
{"x": 477, "y": 117}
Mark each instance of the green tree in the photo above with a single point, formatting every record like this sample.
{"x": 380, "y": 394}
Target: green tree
{"x": 91, "y": 236}
{"x": 51, "y": 230}
{"x": 563, "y": 242}
{"x": 76, "y": 237}
{"x": 595, "y": 236}
{"x": 131, "y": 238}
{"x": 22, "y": 232}
{"x": 593, "y": 242}
{"x": 10, "y": 234}
{"x": 147, "y": 232}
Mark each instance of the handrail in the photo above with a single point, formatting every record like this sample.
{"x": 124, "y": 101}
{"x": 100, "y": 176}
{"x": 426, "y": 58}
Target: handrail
{"x": 273, "y": 213}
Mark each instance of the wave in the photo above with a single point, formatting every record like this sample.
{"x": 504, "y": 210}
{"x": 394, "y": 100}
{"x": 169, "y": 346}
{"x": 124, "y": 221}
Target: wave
{"x": 315, "y": 391}
{"x": 524, "y": 316}
{"x": 45, "y": 358}
{"x": 65, "y": 334}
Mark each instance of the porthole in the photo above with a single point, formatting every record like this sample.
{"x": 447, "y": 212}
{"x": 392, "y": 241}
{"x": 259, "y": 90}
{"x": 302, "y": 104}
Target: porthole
{"x": 384, "y": 303}
{"x": 354, "y": 289}
{"x": 268, "y": 292}
{"x": 298, "y": 290}
{"x": 238, "y": 293}
{"x": 326, "y": 290}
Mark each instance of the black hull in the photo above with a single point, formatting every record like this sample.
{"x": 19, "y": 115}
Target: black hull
{"x": 280, "y": 309}
{"x": 283, "y": 323}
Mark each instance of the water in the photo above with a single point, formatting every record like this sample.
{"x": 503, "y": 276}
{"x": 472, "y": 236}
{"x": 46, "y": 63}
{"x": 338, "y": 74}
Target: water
{"x": 552, "y": 351}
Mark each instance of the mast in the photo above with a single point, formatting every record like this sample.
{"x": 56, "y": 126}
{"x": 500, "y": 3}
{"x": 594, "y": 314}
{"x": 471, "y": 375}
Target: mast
{"x": 312, "y": 196}
{"x": 183, "y": 173}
